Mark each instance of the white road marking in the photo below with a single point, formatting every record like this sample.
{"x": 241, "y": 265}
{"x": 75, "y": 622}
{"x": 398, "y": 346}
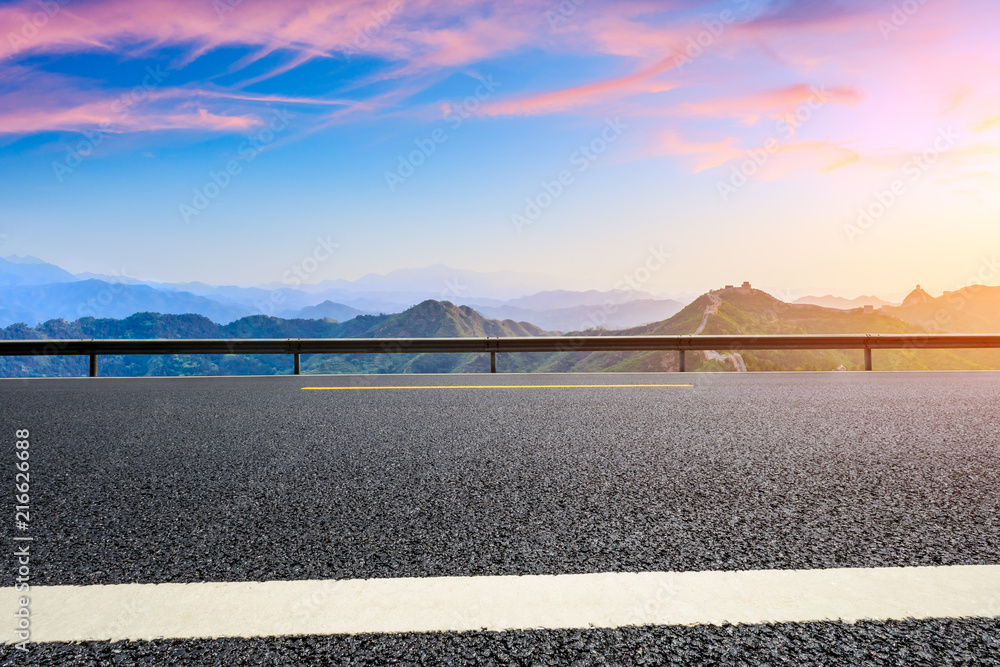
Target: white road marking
{"x": 273, "y": 608}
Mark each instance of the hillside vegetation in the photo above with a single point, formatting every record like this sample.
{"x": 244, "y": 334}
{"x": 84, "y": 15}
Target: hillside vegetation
{"x": 728, "y": 311}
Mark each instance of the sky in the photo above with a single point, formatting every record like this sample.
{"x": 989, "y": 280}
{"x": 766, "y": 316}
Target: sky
{"x": 847, "y": 147}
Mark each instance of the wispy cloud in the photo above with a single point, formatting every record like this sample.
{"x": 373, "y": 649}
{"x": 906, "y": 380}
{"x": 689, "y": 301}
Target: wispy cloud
{"x": 407, "y": 47}
{"x": 702, "y": 154}
{"x": 774, "y": 104}
{"x": 643, "y": 81}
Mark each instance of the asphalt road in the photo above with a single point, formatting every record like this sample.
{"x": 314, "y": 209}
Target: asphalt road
{"x": 248, "y": 479}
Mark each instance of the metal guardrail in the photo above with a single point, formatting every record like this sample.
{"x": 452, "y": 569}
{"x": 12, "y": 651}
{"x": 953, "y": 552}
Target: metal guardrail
{"x": 494, "y": 345}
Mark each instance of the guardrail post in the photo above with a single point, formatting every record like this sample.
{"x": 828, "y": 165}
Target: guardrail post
{"x": 493, "y": 362}
{"x": 868, "y": 358}
{"x": 298, "y": 365}
{"x": 680, "y": 360}
{"x": 93, "y": 365}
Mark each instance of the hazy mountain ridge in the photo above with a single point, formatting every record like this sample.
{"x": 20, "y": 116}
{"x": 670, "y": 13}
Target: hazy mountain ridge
{"x": 329, "y": 310}
{"x": 38, "y": 303}
{"x": 974, "y": 309}
{"x": 842, "y": 303}
{"x": 37, "y": 291}
{"x": 31, "y": 271}
{"x": 608, "y": 315}
{"x": 442, "y": 282}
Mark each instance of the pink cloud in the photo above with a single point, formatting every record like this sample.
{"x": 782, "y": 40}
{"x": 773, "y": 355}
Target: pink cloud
{"x": 624, "y": 35}
{"x": 102, "y": 116}
{"x": 780, "y": 160}
{"x": 703, "y": 154}
{"x": 809, "y": 156}
{"x": 42, "y": 102}
{"x": 591, "y": 93}
{"x": 781, "y": 103}
{"x": 424, "y": 42}
{"x": 416, "y": 35}
{"x": 397, "y": 30}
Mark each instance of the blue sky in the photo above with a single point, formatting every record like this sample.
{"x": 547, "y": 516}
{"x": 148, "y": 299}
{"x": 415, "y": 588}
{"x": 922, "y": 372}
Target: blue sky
{"x": 840, "y": 146}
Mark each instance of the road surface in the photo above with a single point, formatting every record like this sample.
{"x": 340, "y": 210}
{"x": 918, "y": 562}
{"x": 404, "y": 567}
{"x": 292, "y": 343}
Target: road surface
{"x": 314, "y": 479}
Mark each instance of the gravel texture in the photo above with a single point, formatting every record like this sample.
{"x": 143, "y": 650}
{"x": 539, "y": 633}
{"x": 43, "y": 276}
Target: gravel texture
{"x": 236, "y": 479}
{"x": 933, "y": 643}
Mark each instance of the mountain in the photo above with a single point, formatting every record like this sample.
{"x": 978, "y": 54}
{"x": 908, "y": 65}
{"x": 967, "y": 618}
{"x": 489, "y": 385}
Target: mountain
{"x": 608, "y": 316}
{"x": 60, "y": 294}
{"x": 393, "y": 292}
{"x": 558, "y": 299}
{"x": 329, "y": 310}
{"x": 120, "y": 278}
{"x": 917, "y": 297}
{"x": 753, "y": 312}
{"x": 31, "y": 271}
{"x": 972, "y": 309}
{"x": 830, "y": 301}
{"x": 567, "y": 310}
{"x": 32, "y": 304}
{"x": 727, "y": 311}
{"x": 427, "y": 319}
{"x": 443, "y": 282}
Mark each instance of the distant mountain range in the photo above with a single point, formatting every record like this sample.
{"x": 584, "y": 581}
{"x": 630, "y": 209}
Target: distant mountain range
{"x": 33, "y": 291}
{"x": 617, "y": 309}
{"x": 972, "y": 309}
{"x": 427, "y": 319}
{"x": 439, "y": 282}
{"x": 31, "y": 271}
{"x": 830, "y": 301}
{"x": 32, "y": 304}
{"x": 328, "y": 310}
{"x": 726, "y": 311}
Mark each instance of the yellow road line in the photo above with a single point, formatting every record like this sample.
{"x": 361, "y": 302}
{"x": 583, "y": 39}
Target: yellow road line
{"x": 499, "y": 386}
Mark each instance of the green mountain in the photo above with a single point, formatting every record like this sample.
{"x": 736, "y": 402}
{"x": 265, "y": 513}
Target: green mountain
{"x": 728, "y": 311}
{"x": 739, "y": 310}
{"x": 427, "y": 319}
{"x": 430, "y": 319}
